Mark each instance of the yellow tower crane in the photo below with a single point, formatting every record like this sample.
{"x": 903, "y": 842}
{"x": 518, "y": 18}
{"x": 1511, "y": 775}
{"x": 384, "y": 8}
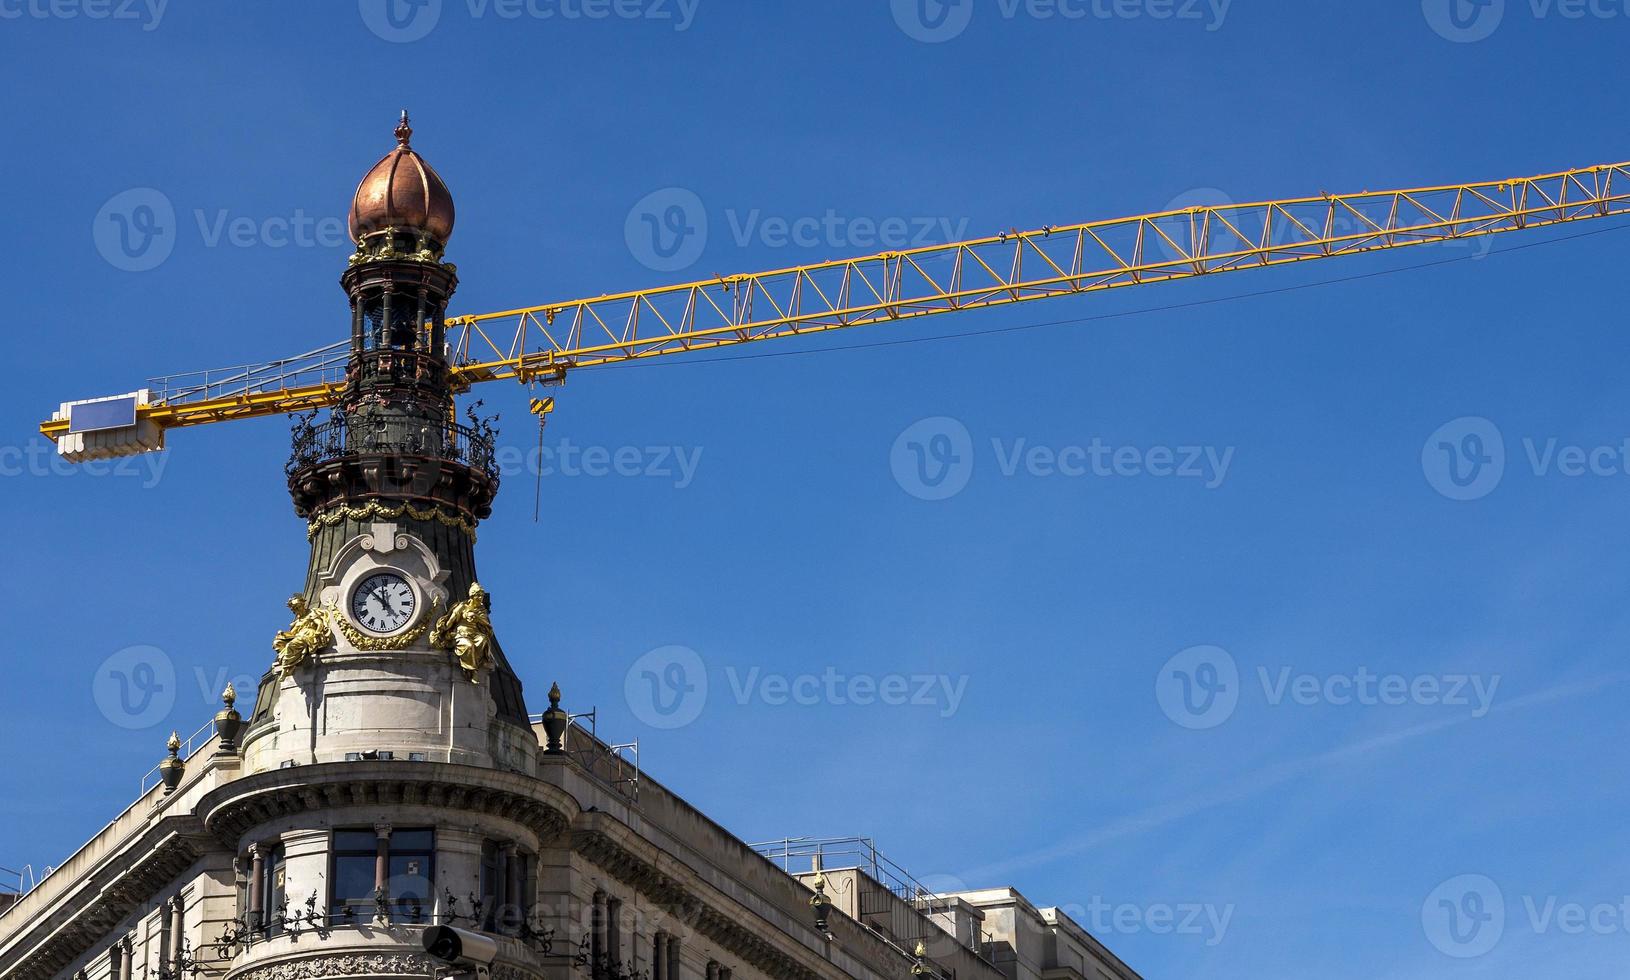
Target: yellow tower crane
{"x": 541, "y": 344}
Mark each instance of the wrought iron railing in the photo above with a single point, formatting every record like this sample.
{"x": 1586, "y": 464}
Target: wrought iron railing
{"x": 250, "y": 929}
{"x": 193, "y": 743}
{"x": 392, "y": 435}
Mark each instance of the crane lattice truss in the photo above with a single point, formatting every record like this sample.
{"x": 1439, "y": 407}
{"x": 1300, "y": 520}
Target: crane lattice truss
{"x": 543, "y": 343}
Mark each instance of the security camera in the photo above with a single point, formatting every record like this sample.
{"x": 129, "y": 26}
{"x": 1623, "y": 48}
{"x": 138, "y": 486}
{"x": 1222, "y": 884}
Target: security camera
{"x": 469, "y": 951}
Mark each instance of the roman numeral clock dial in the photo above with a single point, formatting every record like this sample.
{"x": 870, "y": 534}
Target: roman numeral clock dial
{"x": 383, "y": 603}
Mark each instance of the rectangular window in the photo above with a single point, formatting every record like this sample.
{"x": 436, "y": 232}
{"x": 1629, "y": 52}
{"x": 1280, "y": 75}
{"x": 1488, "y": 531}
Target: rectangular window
{"x": 412, "y": 860}
{"x": 410, "y": 857}
{"x": 275, "y": 892}
{"x": 491, "y": 879}
{"x": 506, "y": 873}
{"x": 351, "y": 873}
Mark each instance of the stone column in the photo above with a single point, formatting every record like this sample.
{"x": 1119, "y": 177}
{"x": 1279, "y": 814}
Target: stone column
{"x": 659, "y": 956}
{"x": 597, "y": 932}
{"x": 178, "y": 958}
{"x": 712, "y": 970}
{"x": 513, "y": 880}
{"x": 257, "y": 893}
{"x": 673, "y": 960}
{"x": 127, "y": 953}
{"x": 614, "y": 931}
{"x": 382, "y": 873}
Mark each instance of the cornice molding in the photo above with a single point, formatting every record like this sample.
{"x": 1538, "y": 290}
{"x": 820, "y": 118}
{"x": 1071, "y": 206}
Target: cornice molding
{"x": 156, "y": 858}
{"x": 232, "y": 810}
{"x": 725, "y": 927}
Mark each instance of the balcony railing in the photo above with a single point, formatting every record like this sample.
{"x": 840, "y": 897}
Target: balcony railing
{"x": 387, "y": 434}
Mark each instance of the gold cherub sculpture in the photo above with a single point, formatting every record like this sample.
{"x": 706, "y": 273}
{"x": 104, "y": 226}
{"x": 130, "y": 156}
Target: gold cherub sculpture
{"x": 303, "y": 639}
{"x": 466, "y": 630}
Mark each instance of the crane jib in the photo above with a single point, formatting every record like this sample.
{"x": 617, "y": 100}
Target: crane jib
{"x": 541, "y": 344}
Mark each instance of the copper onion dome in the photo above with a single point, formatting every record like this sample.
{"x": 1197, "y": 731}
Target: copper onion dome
{"x": 402, "y": 192}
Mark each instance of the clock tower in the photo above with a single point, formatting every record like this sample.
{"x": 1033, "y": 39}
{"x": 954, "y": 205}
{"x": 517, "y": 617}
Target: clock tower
{"x": 391, "y": 654}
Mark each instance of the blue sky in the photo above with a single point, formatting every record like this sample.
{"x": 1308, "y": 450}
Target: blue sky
{"x": 993, "y": 679}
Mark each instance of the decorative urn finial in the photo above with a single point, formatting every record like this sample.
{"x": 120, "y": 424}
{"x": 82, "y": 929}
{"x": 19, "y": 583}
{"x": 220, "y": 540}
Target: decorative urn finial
{"x": 228, "y": 723}
{"x": 555, "y": 723}
{"x": 404, "y": 132}
{"x": 171, "y": 769}
{"x": 819, "y": 903}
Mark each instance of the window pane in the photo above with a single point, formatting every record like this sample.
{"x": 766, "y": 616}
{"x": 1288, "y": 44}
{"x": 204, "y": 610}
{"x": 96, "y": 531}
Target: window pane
{"x": 356, "y": 840}
{"x": 410, "y": 879}
{"x": 412, "y": 840}
{"x": 353, "y": 880}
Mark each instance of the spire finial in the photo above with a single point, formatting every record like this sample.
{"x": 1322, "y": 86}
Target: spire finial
{"x": 554, "y": 695}
{"x": 404, "y": 132}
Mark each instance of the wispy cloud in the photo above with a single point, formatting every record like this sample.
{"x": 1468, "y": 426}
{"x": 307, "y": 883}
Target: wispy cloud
{"x": 1264, "y": 779}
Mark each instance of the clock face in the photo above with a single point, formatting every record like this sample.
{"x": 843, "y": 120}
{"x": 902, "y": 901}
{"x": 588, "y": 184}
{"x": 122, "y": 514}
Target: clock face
{"x": 383, "y": 603}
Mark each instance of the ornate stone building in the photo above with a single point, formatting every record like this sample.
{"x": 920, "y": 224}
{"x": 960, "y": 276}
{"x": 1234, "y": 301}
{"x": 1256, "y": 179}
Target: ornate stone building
{"x": 388, "y": 776}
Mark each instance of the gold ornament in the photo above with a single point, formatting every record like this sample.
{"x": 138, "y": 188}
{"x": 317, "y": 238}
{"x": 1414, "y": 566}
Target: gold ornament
{"x": 374, "y": 510}
{"x": 379, "y": 644}
{"x": 466, "y": 630}
{"x": 304, "y": 638}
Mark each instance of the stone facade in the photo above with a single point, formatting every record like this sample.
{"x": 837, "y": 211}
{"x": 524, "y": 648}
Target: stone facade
{"x": 609, "y": 872}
